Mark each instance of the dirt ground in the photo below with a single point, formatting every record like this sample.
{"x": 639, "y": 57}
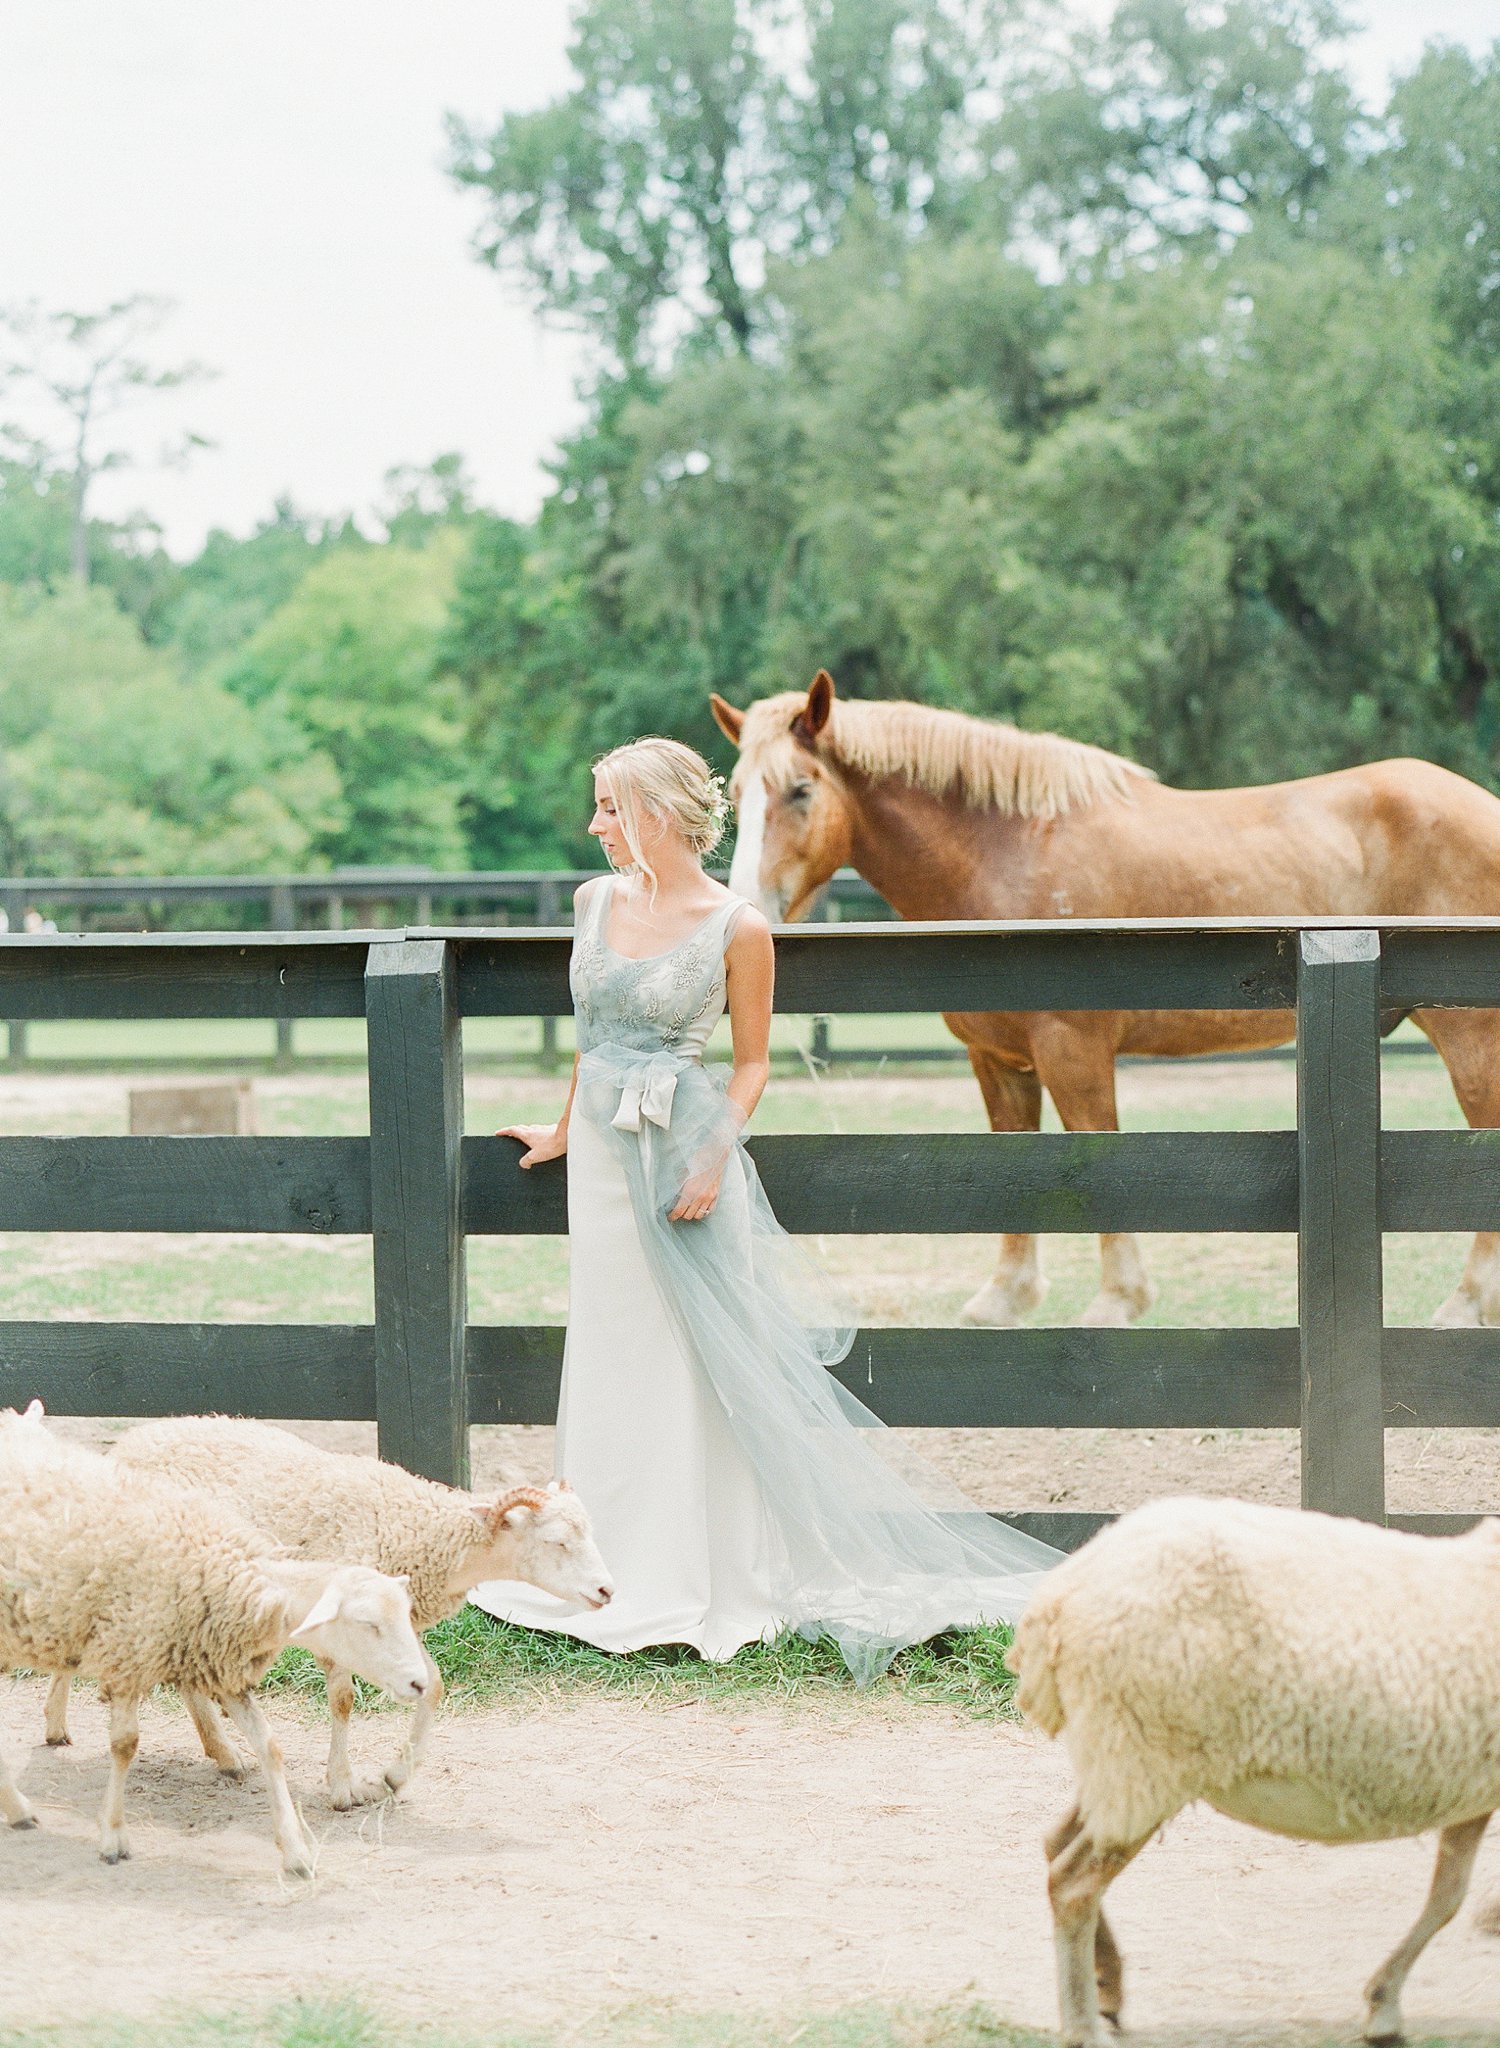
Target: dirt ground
{"x": 550, "y": 1865}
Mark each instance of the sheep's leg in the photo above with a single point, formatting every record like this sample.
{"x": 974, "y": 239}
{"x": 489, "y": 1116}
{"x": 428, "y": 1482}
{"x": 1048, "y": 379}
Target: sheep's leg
{"x": 404, "y": 1768}
{"x": 124, "y": 1741}
{"x": 1077, "y": 1878}
{"x": 205, "y": 1719}
{"x": 1109, "y": 1978}
{"x": 57, "y": 1711}
{"x": 296, "y": 1851}
{"x": 14, "y": 1804}
{"x": 1457, "y": 1848}
{"x": 340, "y": 1707}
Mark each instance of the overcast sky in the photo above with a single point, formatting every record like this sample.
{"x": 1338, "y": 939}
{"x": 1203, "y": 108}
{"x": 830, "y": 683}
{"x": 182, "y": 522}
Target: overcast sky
{"x": 275, "y": 167}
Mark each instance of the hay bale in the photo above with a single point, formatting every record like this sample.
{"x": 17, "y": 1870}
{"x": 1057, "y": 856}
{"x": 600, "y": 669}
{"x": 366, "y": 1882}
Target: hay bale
{"x": 194, "y": 1109}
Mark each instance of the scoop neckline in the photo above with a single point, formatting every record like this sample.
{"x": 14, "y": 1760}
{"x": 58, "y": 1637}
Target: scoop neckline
{"x": 639, "y": 959}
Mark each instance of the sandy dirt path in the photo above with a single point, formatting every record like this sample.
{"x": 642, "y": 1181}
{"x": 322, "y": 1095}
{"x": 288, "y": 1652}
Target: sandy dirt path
{"x": 551, "y": 1864}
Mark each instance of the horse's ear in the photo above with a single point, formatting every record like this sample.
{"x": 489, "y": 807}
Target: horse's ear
{"x": 818, "y": 709}
{"x": 729, "y": 721}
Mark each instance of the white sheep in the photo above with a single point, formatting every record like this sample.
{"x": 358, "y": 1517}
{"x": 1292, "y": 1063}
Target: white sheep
{"x": 332, "y": 1504}
{"x": 1315, "y": 1677}
{"x": 138, "y": 1582}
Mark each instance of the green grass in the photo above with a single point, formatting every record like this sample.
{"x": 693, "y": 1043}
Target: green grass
{"x": 484, "y": 1661}
{"x": 341, "y": 2024}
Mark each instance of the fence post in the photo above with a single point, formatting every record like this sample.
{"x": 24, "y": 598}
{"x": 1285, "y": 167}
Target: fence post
{"x": 548, "y": 912}
{"x": 283, "y": 914}
{"x": 416, "y": 1189}
{"x": 1340, "y": 1306}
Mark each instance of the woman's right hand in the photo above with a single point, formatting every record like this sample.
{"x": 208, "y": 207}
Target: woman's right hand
{"x": 542, "y": 1141}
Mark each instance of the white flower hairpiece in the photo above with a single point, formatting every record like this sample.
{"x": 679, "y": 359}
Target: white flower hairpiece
{"x": 718, "y": 800}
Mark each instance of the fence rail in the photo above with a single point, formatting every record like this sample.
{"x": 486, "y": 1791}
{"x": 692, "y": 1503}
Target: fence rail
{"x": 419, "y": 1188}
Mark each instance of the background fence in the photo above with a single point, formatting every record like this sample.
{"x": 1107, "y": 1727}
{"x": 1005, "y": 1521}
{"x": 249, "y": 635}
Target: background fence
{"x": 419, "y": 1188}
{"x": 373, "y": 897}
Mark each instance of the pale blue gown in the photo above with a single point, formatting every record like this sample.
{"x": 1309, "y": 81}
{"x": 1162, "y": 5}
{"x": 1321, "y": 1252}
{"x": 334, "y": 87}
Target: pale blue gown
{"x": 737, "y": 1489}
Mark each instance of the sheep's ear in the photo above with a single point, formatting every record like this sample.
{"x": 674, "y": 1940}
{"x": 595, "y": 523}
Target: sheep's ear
{"x": 323, "y": 1610}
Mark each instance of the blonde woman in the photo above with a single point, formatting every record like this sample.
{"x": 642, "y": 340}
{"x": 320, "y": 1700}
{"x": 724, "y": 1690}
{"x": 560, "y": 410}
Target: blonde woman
{"x": 737, "y": 1489}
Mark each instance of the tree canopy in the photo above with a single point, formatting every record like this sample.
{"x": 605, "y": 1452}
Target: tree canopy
{"x": 1130, "y": 379}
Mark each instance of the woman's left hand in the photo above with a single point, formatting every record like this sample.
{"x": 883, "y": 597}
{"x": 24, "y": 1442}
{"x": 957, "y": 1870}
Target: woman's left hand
{"x": 700, "y": 1192}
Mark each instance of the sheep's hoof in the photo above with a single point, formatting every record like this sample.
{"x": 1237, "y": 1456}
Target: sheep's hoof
{"x": 27, "y": 1820}
{"x": 121, "y": 1855}
{"x": 299, "y": 1868}
{"x": 63, "y": 1741}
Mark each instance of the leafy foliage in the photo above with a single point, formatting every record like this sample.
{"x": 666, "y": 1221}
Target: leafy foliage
{"x": 1127, "y": 378}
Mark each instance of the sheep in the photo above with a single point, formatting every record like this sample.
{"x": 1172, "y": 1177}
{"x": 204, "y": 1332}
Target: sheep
{"x": 328, "y": 1503}
{"x": 1315, "y": 1677}
{"x": 139, "y": 1582}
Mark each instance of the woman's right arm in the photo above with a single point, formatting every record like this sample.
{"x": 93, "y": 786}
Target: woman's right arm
{"x": 545, "y": 1141}
{"x": 550, "y": 1141}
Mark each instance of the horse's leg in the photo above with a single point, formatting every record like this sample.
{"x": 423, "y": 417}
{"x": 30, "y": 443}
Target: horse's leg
{"x": 1457, "y": 1848}
{"x": 1469, "y": 1043}
{"x": 1075, "y": 1061}
{"x": 1013, "y": 1102}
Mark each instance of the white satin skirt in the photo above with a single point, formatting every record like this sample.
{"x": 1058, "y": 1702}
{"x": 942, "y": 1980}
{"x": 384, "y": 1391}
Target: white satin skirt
{"x": 643, "y": 1437}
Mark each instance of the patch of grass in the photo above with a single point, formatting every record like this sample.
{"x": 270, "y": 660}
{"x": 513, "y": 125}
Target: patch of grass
{"x": 483, "y": 1661}
{"x": 343, "y": 2024}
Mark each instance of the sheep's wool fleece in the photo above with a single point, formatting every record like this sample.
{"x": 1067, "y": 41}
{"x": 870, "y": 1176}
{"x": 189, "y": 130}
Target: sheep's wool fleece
{"x": 1199, "y": 1646}
{"x": 323, "y": 1504}
{"x": 131, "y": 1580}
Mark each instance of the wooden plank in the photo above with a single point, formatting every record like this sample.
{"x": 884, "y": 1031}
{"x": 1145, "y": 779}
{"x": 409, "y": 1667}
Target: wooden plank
{"x": 1441, "y": 1379}
{"x": 162, "y": 975}
{"x": 308, "y": 1372}
{"x": 983, "y": 1379}
{"x": 1065, "y": 1530}
{"x": 416, "y": 1188}
{"x": 213, "y": 1184}
{"x": 1440, "y": 1180}
{"x": 1070, "y": 1531}
{"x": 1338, "y": 1244}
{"x": 951, "y": 1181}
{"x": 1440, "y": 967}
{"x": 844, "y": 968}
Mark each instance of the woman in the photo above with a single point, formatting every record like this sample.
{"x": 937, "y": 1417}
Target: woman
{"x": 736, "y": 1488}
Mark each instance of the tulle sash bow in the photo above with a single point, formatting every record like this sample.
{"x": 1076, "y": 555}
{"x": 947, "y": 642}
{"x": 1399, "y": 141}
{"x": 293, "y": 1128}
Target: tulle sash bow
{"x": 648, "y": 1084}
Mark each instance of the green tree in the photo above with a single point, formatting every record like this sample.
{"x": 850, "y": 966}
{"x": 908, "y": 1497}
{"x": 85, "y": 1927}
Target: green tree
{"x": 111, "y": 763}
{"x": 350, "y": 659}
{"x": 74, "y": 374}
{"x": 705, "y": 137}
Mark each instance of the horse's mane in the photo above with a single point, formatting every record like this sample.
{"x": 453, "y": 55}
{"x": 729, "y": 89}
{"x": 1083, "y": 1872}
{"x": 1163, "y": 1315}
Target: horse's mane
{"x": 993, "y": 766}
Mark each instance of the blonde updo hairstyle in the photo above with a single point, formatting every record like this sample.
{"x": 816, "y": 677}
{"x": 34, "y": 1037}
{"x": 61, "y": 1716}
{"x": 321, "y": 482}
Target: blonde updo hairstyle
{"x": 663, "y": 779}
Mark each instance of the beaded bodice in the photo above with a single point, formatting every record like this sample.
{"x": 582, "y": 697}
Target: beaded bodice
{"x": 666, "y": 1002}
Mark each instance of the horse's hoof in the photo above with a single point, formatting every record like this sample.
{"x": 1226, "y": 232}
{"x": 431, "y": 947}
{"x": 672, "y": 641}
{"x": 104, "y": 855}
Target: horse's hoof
{"x": 59, "y": 1742}
{"x": 1108, "y": 1312}
{"x": 1459, "y": 1312}
{"x": 990, "y": 1309}
{"x": 27, "y": 1820}
{"x": 112, "y": 1856}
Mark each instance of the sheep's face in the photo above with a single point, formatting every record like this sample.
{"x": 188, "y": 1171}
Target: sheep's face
{"x": 543, "y": 1538}
{"x": 362, "y": 1622}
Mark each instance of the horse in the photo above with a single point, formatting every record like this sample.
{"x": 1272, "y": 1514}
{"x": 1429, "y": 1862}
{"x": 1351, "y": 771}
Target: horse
{"x": 951, "y": 816}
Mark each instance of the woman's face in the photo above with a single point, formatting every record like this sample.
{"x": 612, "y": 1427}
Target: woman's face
{"x": 606, "y": 828}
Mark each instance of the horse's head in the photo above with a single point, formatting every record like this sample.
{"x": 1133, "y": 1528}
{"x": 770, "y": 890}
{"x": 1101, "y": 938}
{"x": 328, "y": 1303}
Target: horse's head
{"x": 793, "y": 823}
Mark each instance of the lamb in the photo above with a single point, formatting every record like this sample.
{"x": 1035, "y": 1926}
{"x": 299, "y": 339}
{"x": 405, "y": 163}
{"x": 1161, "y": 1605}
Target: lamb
{"x": 327, "y": 1503}
{"x": 1314, "y": 1677}
{"x": 140, "y": 1582}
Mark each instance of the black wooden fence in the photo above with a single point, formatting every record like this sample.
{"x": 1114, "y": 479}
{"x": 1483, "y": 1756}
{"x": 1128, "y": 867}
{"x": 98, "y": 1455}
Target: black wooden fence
{"x": 419, "y": 1187}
